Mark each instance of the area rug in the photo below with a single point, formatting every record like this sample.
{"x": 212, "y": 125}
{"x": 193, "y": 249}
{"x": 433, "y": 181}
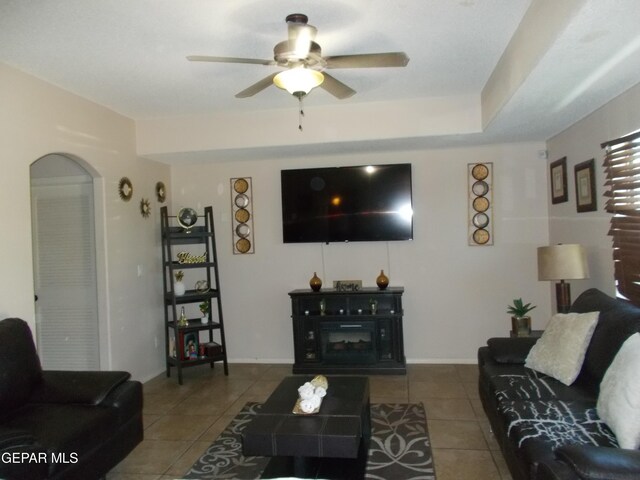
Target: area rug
{"x": 399, "y": 449}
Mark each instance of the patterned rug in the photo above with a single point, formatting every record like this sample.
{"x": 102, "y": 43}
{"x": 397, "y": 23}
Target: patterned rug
{"x": 399, "y": 449}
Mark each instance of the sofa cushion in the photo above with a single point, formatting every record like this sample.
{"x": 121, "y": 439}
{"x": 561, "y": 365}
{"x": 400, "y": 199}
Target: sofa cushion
{"x": 560, "y": 351}
{"x": 532, "y": 385}
{"x": 21, "y": 370}
{"x": 555, "y": 423}
{"x": 619, "y": 399}
{"x": 618, "y": 321}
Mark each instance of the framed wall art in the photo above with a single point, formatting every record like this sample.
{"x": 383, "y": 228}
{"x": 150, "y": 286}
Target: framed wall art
{"x": 585, "y": 176}
{"x": 480, "y": 222}
{"x": 242, "y": 221}
{"x": 558, "y": 174}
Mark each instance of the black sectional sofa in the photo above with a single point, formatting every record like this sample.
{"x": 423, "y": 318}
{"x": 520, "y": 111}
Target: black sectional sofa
{"x": 61, "y": 425}
{"x": 548, "y": 430}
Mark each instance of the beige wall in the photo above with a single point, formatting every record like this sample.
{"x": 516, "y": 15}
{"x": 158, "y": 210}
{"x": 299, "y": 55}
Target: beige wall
{"x": 36, "y": 119}
{"x": 456, "y": 295}
{"x": 579, "y": 143}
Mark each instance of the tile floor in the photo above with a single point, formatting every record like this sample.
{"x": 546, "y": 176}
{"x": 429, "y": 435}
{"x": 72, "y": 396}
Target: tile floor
{"x": 182, "y": 421}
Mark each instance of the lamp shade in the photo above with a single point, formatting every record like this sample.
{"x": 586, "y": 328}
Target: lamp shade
{"x": 562, "y": 262}
{"x": 298, "y": 80}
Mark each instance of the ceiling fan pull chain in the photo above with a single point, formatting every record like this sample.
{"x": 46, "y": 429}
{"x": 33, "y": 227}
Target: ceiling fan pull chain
{"x": 300, "y": 113}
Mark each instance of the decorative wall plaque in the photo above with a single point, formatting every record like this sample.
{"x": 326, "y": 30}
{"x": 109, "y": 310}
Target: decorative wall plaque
{"x": 242, "y": 218}
{"x": 480, "y": 222}
{"x": 125, "y": 189}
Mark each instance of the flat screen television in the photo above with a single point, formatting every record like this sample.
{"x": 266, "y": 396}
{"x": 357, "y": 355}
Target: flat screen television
{"x": 347, "y": 204}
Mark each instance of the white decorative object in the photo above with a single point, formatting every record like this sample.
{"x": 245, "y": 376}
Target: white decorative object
{"x": 619, "y": 400}
{"x": 560, "y": 351}
{"x": 179, "y": 289}
{"x": 311, "y": 395}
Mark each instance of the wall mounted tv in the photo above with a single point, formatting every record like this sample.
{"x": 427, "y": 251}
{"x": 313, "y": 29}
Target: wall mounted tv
{"x": 347, "y": 204}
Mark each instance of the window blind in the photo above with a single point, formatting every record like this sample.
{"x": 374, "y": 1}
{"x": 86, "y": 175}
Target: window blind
{"x": 622, "y": 168}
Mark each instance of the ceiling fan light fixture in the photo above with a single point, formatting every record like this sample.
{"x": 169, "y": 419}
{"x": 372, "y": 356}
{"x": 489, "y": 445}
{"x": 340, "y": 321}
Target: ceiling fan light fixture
{"x": 298, "y": 81}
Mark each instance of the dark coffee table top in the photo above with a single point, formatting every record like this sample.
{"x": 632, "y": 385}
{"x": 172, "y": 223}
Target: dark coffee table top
{"x": 335, "y": 431}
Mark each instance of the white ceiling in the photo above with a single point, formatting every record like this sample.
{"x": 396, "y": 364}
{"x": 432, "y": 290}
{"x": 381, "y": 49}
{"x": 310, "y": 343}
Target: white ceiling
{"x": 129, "y": 55}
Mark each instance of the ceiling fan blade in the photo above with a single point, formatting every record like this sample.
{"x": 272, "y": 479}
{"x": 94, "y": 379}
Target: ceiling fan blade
{"x": 368, "y": 60}
{"x": 336, "y": 87}
{"x": 205, "y": 58}
{"x": 257, "y": 87}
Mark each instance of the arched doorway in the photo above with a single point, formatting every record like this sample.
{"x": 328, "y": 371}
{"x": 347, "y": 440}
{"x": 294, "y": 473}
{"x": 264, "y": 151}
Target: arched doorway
{"x": 65, "y": 263}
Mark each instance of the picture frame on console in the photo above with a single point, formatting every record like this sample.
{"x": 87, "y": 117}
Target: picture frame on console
{"x": 585, "y": 178}
{"x": 558, "y": 174}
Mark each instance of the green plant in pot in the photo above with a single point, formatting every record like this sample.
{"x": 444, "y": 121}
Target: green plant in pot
{"x": 204, "y": 308}
{"x": 520, "y": 320}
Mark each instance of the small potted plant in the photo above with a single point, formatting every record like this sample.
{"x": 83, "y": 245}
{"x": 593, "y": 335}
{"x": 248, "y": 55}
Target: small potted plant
{"x": 204, "y": 308}
{"x": 520, "y": 321}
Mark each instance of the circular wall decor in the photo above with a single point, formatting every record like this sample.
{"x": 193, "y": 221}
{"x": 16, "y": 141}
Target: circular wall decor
{"x": 480, "y": 188}
{"x": 480, "y": 220}
{"x": 145, "y": 208}
{"x": 480, "y": 171}
{"x": 481, "y": 236}
{"x": 480, "y": 204}
{"x": 241, "y": 185}
{"x": 243, "y": 230}
{"x": 125, "y": 189}
{"x": 242, "y": 215}
{"x": 161, "y": 192}
{"x": 241, "y": 201}
{"x": 243, "y": 245}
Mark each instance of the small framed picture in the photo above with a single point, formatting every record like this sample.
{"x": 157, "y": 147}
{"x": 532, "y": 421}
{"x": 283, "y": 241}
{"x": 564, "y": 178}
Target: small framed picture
{"x": 586, "y": 199}
{"x": 190, "y": 346}
{"x": 558, "y": 172}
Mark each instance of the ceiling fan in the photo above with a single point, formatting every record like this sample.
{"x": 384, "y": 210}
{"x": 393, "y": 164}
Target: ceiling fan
{"x": 305, "y": 65}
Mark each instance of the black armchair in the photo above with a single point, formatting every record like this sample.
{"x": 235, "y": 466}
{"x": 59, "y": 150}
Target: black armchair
{"x": 61, "y": 425}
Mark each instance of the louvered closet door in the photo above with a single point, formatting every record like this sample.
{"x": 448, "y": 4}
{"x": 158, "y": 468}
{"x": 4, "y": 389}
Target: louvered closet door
{"x": 65, "y": 277}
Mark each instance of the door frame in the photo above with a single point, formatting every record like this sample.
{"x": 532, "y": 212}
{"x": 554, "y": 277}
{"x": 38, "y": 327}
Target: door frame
{"x": 102, "y": 291}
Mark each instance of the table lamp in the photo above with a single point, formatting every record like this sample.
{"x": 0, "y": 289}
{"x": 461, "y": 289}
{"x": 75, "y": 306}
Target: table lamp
{"x": 562, "y": 262}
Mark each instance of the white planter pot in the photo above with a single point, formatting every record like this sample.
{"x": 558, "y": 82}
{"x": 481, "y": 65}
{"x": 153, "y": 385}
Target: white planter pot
{"x": 179, "y": 289}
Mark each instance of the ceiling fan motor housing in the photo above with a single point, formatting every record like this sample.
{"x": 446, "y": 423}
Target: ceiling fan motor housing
{"x": 285, "y": 55}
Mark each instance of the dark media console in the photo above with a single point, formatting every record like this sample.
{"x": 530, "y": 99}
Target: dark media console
{"x": 355, "y": 332}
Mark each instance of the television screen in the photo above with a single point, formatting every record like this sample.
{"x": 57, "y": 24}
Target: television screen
{"x": 347, "y": 204}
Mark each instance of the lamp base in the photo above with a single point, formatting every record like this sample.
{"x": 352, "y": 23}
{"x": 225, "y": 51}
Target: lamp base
{"x": 563, "y": 297}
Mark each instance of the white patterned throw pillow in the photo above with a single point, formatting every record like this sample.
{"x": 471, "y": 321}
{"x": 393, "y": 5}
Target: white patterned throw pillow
{"x": 560, "y": 351}
{"x": 619, "y": 399}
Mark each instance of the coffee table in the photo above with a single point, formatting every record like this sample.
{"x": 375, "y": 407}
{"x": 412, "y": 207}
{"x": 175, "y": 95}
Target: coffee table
{"x": 332, "y": 444}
